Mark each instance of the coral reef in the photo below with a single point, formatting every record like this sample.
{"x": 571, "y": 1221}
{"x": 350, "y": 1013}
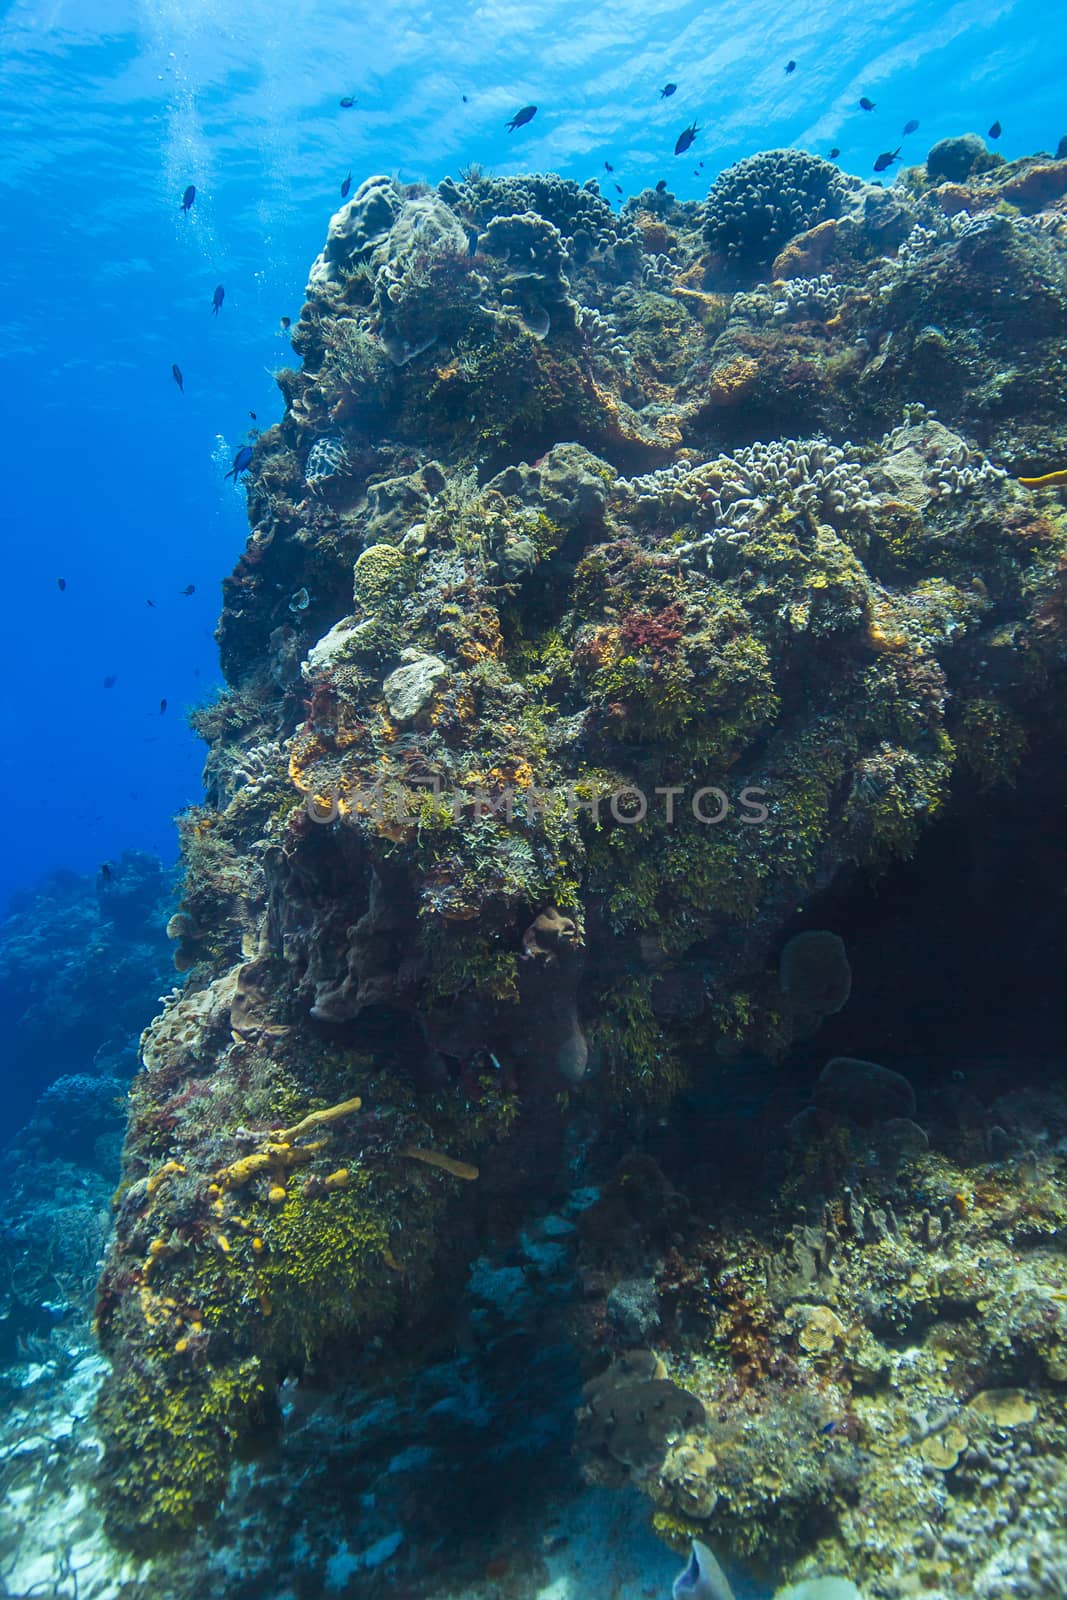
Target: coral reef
{"x": 82, "y": 963}
{"x": 757, "y": 206}
{"x": 394, "y": 1513}
{"x": 594, "y": 620}
{"x": 866, "y": 1372}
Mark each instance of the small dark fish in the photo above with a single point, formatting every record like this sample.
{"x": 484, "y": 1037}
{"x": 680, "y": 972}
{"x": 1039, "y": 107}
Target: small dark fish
{"x": 700, "y": 165}
{"x": 521, "y": 118}
{"x": 667, "y": 90}
{"x": 287, "y": 322}
{"x": 790, "y": 66}
{"x": 995, "y": 131}
{"x": 661, "y": 186}
{"x": 106, "y": 873}
{"x": 608, "y": 167}
{"x": 253, "y": 416}
{"x": 216, "y": 299}
{"x": 865, "y": 104}
{"x": 464, "y": 99}
{"x": 111, "y": 680}
{"x": 346, "y": 186}
{"x": 347, "y": 102}
{"x": 834, "y": 153}
{"x": 176, "y": 374}
{"x": 187, "y": 199}
{"x": 151, "y": 603}
{"x": 618, "y": 188}
{"x": 162, "y": 707}
{"x": 190, "y": 588}
{"x": 685, "y": 139}
{"x": 61, "y": 584}
{"x": 886, "y": 159}
{"x": 912, "y": 126}
{"x": 241, "y": 463}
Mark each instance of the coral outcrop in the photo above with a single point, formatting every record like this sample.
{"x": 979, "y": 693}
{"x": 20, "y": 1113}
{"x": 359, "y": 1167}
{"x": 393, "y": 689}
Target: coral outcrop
{"x": 872, "y": 1363}
{"x": 756, "y": 207}
{"x": 592, "y": 621}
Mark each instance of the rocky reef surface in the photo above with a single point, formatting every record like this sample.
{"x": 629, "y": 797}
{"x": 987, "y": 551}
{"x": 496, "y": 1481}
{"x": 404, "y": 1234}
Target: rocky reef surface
{"x": 865, "y": 1375}
{"x": 616, "y": 586}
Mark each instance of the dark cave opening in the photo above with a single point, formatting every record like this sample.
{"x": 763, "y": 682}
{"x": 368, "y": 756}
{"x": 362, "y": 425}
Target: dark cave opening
{"x": 957, "y": 957}
{"x": 958, "y": 953}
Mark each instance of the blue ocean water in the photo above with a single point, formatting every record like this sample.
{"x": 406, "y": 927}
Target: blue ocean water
{"x": 121, "y": 526}
{"x": 115, "y": 479}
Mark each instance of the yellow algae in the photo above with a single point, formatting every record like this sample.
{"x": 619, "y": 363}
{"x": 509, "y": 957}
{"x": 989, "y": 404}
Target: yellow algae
{"x": 1048, "y": 480}
{"x": 1007, "y": 1408}
{"x": 942, "y": 1450}
{"x": 434, "y": 1158}
{"x": 315, "y": 1118}
{"x": 167, "y": 1170}
{"x": 269, "y": 1159}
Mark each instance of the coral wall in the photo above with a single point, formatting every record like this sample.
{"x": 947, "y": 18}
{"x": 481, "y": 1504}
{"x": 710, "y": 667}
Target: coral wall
{"x": 605, "y": 597}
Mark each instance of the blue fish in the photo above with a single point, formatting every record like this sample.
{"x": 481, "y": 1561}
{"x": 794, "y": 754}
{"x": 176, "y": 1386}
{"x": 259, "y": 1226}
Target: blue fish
{"x": 521, "y": 118}
{"x": 187, "y": 198}
{"x": 703, "y": 1578}
{"x": 346, "y": 186}
{"x": 216, "y": 300}
{"x": 667, "y": 90}
{"x": 241, "y": 463}
{"x": 685, "y": 139}
{"x": 912, "y": 126}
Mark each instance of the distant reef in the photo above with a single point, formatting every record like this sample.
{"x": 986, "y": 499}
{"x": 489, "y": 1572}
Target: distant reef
{"x": 83, "y": 961}
{"x": 617, "y": 584}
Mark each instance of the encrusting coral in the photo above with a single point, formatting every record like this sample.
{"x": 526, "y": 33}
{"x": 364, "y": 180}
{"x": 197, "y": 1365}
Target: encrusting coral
{"x": 590, "y": 624}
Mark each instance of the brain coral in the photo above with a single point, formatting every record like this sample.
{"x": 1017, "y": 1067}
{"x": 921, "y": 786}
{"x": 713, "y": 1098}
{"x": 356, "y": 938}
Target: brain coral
{"x": 757, "y": 206}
